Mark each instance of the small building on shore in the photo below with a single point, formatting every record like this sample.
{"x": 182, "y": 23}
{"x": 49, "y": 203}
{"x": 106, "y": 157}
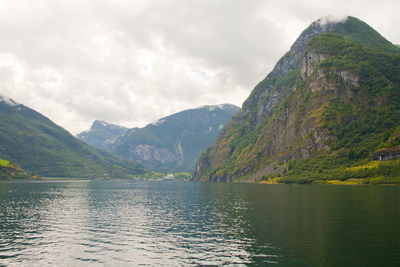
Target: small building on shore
{"x": 169, "y": 177}
{"x": 387, "y": 154}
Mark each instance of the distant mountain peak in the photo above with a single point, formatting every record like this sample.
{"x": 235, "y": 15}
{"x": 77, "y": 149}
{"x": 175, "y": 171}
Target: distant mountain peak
{"x": 100, "y": 122}
{"x": 104, "y": 125}
{"x": 101, "y": 133}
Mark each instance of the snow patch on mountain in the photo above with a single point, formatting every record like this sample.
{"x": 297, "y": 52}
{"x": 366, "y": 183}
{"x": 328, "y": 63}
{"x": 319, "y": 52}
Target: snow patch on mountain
{"x": 158, "y": 122}
{"x": 218, "y": 106}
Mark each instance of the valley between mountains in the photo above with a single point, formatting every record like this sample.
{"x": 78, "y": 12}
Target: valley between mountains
{"x": 328, "y": 112}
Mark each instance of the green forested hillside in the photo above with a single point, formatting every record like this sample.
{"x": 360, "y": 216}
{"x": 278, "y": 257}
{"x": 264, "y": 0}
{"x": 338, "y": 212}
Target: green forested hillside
{"x": 330, "y": 110}
{"x": 41, "y": 147}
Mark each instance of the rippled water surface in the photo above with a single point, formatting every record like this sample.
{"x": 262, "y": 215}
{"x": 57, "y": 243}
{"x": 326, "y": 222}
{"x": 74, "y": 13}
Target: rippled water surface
{"x": 114, "y": 223}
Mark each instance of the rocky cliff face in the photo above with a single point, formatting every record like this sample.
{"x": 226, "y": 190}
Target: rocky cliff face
{"x": 288, "y": 115}
{"x": 174, "y": 143}
{"x": 271, "y": 91}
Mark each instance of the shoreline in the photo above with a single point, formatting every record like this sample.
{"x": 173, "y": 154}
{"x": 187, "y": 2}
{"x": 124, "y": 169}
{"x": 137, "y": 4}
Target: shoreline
{"x": 271, "y": 181}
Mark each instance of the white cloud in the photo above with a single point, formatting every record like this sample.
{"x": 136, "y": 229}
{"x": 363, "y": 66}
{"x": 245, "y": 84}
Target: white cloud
{"x": 132, "y": 62}
{"x": 332, "y": 19}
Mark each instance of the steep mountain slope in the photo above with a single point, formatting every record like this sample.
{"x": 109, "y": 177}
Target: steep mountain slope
{"x": 41, "y": 147}
{"x": 102, "y": 134}
{"x": 328, "y": 106}
{"x": 174, "y": 143}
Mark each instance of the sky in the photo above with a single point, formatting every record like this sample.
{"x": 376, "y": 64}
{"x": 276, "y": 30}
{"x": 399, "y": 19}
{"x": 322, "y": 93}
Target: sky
{"x": 131, "y": 62}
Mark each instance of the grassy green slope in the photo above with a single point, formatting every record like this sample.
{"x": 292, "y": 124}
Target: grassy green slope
{"x": 41, "y": 147}
{"x": 360, "y": 32}
{"x": 9, "y": 170}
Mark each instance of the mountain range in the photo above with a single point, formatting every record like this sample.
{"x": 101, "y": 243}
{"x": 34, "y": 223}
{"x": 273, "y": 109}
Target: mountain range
{"x": 329, "y": 110}
{"x": 171, "y": 144}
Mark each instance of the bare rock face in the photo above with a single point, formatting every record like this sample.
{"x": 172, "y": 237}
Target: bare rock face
{"x": 147, "y": 152}
{"x": 309, "y": 63}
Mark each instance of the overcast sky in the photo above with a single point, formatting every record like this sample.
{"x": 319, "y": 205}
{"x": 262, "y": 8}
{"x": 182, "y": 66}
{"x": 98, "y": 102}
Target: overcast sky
{"x": 132, "y": 62}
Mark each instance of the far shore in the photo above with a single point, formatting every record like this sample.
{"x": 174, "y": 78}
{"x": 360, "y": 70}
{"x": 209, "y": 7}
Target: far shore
{"x": 271, "y": 181}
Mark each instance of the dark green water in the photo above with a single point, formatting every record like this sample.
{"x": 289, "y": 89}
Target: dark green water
{"x": 120, "y": 223}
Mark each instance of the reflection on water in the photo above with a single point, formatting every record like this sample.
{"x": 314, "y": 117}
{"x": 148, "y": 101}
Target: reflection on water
{"x": 182, "y": 223}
